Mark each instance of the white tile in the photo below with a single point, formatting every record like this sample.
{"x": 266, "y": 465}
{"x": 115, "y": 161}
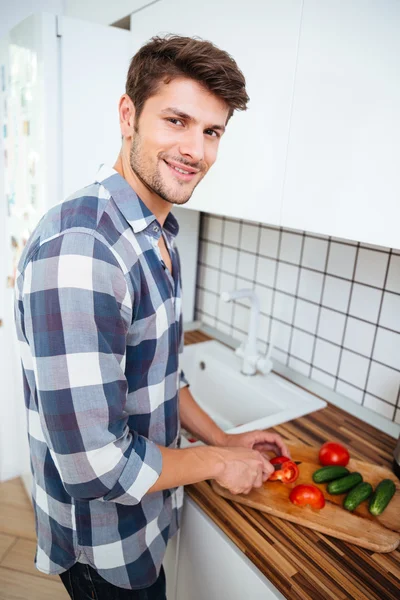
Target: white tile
{"x": 226, "y": 284}
{"x": 331, "y": 325}
{"x": 306, "y": 315}
{"x": 212, "y": 254}
{"x": 299, "y": 366}
{"x": 287, "y": 278}
{"x": 282, "y": 336}
{"x": 380, "y": 407}
{"x": 302, "y": 345}
{"x": 269, "y": 241}
{"x": 393, "y": 280}
{"x": 265, "y": 273}
{"x": 359, "y": 336}
{"x": 384, "y": 382}
{"x": 314, "y": 253}
{"x": 210, "y": 279}
{"x": 205, "y": 221}
{"x": 241, "y": 317}
{"x": 223, "y": 327}
{"x": 290, "y": 247}
{"x": 214, "y": 233}
{"x": 326, "y": 356}
{"x": 225, "y": 311}
{"x": 387, "y": 348}
{"x": 209, "y": 303}
{"x": 265, "y": 298}
{"x": 207, "y": 320}
{"x": 310, "y": 286}
{"x": 229, "y": 259}
{"x": 263, "y": 327}
{"x": 323, "y": 378}
{"x": 249, "y": 237}
{"x": 239, "y": 336}
{"x": 284, "y": 307}
{"x": 353, "y": 368}
{"x": 231, "y": 233}
{"x": 397, "y": 416}
{"x": 246, "y": 265}
{"x": 365, "y": 302}
{"x": 350, "y": 391}
{"x": 341, "y": 260}
{"x": 279, "y": 355}
{"x": 336, "y": 293}
{"x": 371, "y": 267}
{"x": 390, "y": 314}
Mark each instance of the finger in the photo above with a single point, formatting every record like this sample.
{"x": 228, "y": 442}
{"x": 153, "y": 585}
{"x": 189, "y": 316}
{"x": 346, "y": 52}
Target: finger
{"x": 277, "y": 442}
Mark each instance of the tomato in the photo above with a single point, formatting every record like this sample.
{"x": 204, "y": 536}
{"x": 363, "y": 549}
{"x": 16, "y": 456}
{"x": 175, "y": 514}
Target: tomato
{"x": 288, "y": 473}
{"x": 332, "y": 453}
{"x": 301, "y": 495}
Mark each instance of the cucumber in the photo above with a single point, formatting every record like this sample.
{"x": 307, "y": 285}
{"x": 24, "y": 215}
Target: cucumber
{"x": 329, "y": 473}
{"x": 344, "y": 484}
{"x": 357, "y": 494}
{"x": 381, "y": 497}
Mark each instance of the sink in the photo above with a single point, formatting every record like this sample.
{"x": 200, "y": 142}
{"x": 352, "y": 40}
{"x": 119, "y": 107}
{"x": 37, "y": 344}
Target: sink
{"x": 238, "y": 402}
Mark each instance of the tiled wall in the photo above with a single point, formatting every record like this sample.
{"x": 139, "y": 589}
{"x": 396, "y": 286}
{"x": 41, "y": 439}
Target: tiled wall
{"x": 333, "y": 305}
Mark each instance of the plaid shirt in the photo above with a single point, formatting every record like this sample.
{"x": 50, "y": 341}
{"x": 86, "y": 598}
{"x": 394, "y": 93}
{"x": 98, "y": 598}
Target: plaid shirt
{"x": 99, "y": 323}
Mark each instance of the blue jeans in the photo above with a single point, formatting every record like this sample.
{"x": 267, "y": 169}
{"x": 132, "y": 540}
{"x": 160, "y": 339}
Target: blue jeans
{"x": 84, "y": 583}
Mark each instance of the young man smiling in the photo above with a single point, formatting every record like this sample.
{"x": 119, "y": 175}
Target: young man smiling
{"x": 98, "y": 314}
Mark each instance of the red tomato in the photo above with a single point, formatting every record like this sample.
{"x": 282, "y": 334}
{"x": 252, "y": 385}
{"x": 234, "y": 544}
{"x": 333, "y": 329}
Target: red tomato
{"x": 307, "y": 494}
{"x": 288, "y": 473}
{"x": 332, "y": 453}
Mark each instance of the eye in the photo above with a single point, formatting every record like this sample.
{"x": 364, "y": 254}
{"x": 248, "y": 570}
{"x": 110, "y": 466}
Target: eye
{"x": 173, "y": 120}
{"x": 213, "y": 131}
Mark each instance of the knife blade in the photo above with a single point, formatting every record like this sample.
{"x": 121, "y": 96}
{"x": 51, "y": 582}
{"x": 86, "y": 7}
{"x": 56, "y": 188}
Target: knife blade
{"x": 279, "y": 466}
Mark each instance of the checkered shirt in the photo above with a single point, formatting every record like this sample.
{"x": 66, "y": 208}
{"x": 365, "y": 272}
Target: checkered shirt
{"x": 99, "y": 324}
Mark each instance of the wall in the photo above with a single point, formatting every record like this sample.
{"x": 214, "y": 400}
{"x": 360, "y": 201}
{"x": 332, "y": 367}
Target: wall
{"x": 333, "y": 305}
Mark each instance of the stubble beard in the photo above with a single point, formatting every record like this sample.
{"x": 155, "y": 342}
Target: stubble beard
{"x": 152, "y": 177}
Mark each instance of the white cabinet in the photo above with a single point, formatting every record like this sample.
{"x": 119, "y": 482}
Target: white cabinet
{"x": 342, "y": 176}
{"x": 210, "y": 566}
{"x": 247, "y": 179}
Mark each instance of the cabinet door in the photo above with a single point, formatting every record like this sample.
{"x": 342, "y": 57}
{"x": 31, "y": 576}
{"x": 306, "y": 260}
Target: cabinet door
{"x": 342, "y": 174}
{"x": 211, "y": 566}
{"x": 247, "y": 179}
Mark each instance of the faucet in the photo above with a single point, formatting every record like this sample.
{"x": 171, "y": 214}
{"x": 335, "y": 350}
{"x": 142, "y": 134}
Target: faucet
{"x": 252, "y": 361}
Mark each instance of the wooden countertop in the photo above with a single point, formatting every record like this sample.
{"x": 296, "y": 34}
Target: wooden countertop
{"x": 305, "y": 564}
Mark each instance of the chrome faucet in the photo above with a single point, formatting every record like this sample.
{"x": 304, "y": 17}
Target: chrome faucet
{"x": 252, "y": 361}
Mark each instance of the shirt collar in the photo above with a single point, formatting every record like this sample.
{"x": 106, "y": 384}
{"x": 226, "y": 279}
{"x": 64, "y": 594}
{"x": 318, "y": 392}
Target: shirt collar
{"x": 132, "y": 207}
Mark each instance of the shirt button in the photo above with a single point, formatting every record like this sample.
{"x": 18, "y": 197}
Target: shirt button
{"x": 155, "y": 228}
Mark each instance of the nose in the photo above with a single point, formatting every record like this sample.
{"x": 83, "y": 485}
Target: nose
{"x": 192, "y": 145}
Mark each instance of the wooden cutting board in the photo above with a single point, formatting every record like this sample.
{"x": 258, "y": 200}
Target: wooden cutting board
{"x": 380, "y": 534}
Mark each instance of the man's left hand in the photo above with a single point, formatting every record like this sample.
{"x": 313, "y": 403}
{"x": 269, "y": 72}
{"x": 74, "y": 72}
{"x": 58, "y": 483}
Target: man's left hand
{"x": 263, "y": 441}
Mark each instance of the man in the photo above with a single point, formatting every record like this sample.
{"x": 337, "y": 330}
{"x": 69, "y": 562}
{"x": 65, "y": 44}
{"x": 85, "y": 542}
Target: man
{"x": 98, "y": 314}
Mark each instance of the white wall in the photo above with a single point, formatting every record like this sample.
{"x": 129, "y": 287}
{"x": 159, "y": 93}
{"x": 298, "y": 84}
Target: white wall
{"x": 103, "y": 12}
{"x": 11, "y": 13}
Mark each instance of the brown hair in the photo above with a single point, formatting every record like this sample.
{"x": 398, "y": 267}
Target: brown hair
{"x": 172, "y": 56}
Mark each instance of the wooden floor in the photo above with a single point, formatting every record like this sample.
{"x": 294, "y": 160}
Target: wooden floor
{"x": 19, "y": 578}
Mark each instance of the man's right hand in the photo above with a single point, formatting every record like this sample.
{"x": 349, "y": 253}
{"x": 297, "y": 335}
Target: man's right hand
{"x": 243, "y": 469}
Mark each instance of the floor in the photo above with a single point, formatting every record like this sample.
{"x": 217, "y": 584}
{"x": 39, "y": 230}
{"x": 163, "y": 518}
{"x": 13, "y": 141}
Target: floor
{"x": 19, "y": 579}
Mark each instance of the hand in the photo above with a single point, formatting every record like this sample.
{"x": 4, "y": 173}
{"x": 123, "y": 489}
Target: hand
{"x": 257, "y": 440}
{"x": 243, "y": 469}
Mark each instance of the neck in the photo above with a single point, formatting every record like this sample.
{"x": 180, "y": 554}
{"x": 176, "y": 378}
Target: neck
{"x": 158, "y": 206}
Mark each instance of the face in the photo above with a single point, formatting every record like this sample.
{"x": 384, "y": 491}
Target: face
{"x": 179, "y": 128}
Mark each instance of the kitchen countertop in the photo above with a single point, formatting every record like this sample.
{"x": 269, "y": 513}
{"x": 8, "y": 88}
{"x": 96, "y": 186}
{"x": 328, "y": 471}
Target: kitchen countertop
{"x": 301, "y": 563}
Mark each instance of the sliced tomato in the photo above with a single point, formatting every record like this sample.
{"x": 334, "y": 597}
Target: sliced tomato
{"x": 303, "y": 494}
{"x": 288, "y": 473}
{"x": 332, "y": 453}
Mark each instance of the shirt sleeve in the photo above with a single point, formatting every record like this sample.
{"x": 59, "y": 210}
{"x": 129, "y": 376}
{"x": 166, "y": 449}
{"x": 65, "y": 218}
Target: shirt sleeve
{"x": 77, "y": 312}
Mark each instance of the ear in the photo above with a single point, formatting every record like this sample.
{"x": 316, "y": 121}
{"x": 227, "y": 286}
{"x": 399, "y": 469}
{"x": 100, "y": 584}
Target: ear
{"x": 126, "y": 116}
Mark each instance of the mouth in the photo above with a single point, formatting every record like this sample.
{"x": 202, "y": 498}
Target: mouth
{"x": 183, "y": 173}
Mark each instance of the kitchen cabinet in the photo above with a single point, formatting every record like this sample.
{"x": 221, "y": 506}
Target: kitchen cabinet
{"x": 247, "y": 179}
{"x": 342, "y": 175}
{"x": 211, "y": 566}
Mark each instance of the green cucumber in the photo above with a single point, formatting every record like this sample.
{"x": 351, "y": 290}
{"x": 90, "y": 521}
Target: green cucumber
{"x": 344, "y": 484}
{"x": 357, "y": 494}
{"x": 329, "y": 473}
{"x": 381, "y": 497}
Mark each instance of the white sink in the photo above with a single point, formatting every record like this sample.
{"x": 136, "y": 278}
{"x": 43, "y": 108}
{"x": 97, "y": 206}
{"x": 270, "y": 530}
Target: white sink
{"x": 238, "y": 402}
